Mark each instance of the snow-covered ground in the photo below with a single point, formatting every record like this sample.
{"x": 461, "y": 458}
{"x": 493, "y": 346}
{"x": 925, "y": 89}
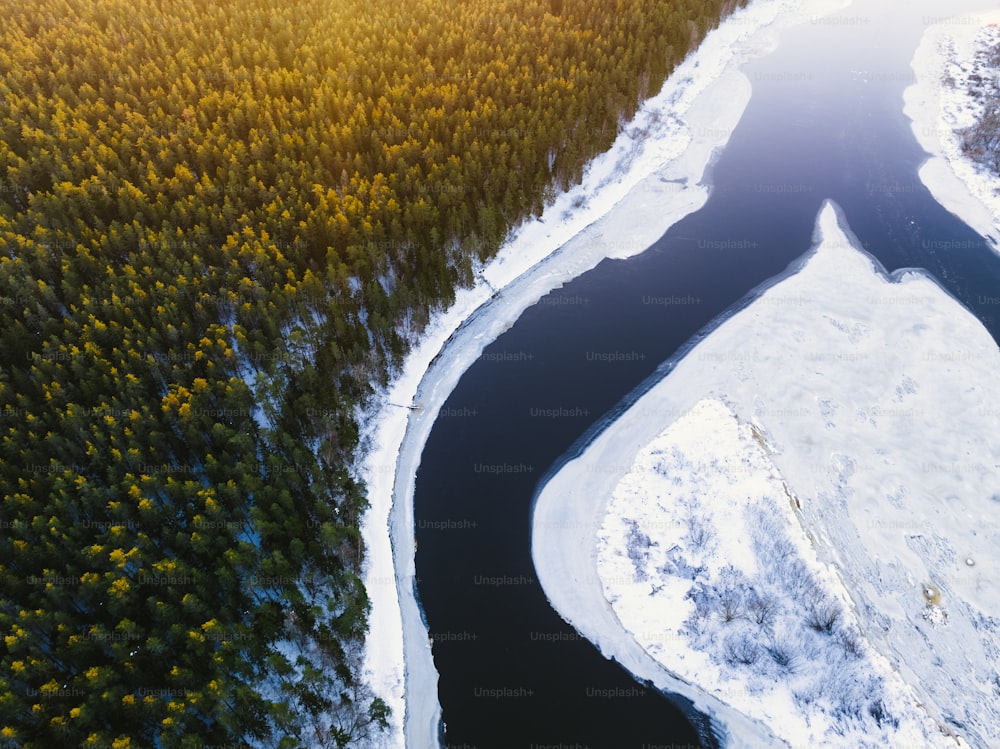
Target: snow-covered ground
{"x": 832, "y": 442}
{"x": 706, "y": 563}
{"x": 939, "y": 104}
{"x": 628, "y": 198}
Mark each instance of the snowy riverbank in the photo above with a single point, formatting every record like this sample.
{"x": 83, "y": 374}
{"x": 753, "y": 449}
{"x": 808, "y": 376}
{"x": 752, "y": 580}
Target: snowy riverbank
{"x": 629, "y": 197}
{"x": 869, "y": 397}
{"x": 947, "y": 65}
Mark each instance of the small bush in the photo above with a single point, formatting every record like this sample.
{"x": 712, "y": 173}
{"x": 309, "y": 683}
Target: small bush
{"x": 881, "y": 715}
{"x": 732, "y": 589}
{"x": 638, "y": 545}
{"x": 797, "y": 579}
{"x": 783, "y": 656}
{"x": 705, "y": 605}
{"x": 731, "y": 605}
{"x": 740, "y": 649}
{"x": 761, "y": 608}
{"x": 699, "y": 533}
{"x": 823, "y": 613}
{"x": 851, "y": 641}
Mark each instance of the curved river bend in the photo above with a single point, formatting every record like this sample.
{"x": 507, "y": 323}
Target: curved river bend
{"x": 825, "y": 121}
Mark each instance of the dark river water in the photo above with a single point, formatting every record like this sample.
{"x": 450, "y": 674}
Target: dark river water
{"x": 825, "y": 121}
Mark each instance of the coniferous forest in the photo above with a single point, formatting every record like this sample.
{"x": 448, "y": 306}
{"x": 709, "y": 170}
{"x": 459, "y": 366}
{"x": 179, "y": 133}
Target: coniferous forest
{"x": 220, "y": 225}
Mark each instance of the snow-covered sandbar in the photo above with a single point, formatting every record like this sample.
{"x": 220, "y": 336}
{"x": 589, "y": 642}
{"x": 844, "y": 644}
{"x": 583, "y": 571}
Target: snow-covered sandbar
{"x": 947, "y": 65}
{"x": 832, "y": 443}
{"x": 649, "y": 180}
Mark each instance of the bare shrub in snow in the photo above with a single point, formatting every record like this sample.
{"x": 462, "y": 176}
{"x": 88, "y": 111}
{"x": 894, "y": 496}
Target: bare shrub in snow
{"x": 740, "y": 649}
{"x": 808, "y": 692}
{"x": 822, "y": 612}
{"x": 796, "y": 579}
{"x": 767, "y": 537}
{"x": 783, "y": 655}
{"x": 730, "y": 605}
{"x": 761, "y": 608}
{"x": 732, "y": 589}
{"x": 705, "y": 600}
{"x": 878, "y": 711}
{"x": 637, "y": 545}
{"x": 699, "y": 532}
{"x": 699, "y": 630}
{"x": 700, "y": 625}
{"x": 850, "y": 640}
{"x": 857, "y": 697}
{"x": 676, "y": 565}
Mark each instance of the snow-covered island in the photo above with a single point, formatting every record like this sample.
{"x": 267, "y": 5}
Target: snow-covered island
{"x": 812, "y": 541}
{"x": 954, "y": 76}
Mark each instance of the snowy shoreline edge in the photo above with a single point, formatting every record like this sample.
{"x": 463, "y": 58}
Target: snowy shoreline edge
{"x": 673, "y": 137}
{"x": 955, "y": 181}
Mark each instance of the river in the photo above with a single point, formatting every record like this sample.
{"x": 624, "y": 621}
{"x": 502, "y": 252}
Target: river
{"x": 825, "y": 121}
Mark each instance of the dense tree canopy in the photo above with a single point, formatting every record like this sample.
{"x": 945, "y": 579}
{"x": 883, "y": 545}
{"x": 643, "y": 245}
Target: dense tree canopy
{"x": 220, "y": 223}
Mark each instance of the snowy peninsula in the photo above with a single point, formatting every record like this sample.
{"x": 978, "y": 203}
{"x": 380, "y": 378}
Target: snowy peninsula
{"x": 649, "y": 180}
{"x": 812, "y": 539}
{"x": 951, "y": 65}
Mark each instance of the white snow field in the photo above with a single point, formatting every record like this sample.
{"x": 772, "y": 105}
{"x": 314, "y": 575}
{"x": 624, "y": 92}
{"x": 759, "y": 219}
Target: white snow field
{"x": 813, "y": 539}
{"x": 629, "y": 196}
{"x": 704, "y": 561}
{"x": 949, "y": 66}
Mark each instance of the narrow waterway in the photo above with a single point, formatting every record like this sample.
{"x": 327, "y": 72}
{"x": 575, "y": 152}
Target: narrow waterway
{"x": 825, "y": 121}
